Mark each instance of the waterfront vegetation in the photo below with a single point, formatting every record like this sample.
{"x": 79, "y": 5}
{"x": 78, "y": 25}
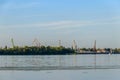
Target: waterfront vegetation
{"x": 48, "y": 50}
{"x": 33, "y": 50}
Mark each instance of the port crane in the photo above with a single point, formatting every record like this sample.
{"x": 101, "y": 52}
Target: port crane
{"x": 13, "y": 43}
{"x": 94, "y": 48}
{"x": 36, "y": 43}
{"x": 59, "y": 43}
{"x": 74, "y": 46}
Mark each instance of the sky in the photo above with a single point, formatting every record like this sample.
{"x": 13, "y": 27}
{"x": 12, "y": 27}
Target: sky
{"x": 51, "y": 20}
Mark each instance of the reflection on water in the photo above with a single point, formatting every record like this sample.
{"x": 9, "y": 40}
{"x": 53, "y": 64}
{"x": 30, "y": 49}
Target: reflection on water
{"x": 60, "y": 61}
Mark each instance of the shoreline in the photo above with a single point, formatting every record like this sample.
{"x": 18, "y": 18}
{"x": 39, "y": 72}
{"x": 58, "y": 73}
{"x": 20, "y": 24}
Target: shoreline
{"x": 63, "y": 54}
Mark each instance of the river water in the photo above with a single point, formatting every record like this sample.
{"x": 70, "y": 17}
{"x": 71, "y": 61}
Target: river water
{"x": 61, "y": 61}
{"x": 108, "y": 74}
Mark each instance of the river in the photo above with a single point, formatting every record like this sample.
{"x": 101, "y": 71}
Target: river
{"x": 61, "y": 61}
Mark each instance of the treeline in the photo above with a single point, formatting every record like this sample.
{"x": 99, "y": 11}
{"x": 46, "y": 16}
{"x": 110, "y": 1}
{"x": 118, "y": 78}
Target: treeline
{"x": 49, "y": 50}
{"x": 33, "y": 50}
{"x": 116, "y": 50}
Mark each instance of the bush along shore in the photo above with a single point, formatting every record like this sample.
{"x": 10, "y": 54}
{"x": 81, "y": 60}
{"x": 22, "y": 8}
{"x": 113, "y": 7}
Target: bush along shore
{"x": 33, "y": 50}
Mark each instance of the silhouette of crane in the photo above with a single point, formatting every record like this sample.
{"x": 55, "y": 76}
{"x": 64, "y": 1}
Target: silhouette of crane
{"x": 94, "y": 48}
{"x": 13, "y": 43}
{"x": 74, "y": 46}
{"x": 60, "y": 43}
{"x": 36, "y": 43}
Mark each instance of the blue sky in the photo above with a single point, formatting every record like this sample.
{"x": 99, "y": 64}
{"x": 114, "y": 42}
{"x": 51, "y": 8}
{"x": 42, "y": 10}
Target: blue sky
{"x": 65, "y": 20}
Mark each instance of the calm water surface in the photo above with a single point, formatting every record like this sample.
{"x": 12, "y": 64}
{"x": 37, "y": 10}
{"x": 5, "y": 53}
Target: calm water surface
{"x": 108, "y": 74}
{"x": 61, "y": 60}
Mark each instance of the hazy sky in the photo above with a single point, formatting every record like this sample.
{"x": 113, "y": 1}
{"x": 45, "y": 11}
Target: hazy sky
{"x": 65, "y": 20}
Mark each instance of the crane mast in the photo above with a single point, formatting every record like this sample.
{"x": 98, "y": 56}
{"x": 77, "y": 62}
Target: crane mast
{"x": 13, "y": 43}
{"x": 74, "y": 45}
{"x": 59, "y": 43}
{"x": 94, "y": 48}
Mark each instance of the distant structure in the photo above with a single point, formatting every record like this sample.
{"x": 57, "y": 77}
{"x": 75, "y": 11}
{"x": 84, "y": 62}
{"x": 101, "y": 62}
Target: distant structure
{"x": 94, "y": 48}
{"x": 74, "y": 46}
{"x": 36, "y": 43}
{"x": 60, "y": 43}
{"x": 13, "y": 43}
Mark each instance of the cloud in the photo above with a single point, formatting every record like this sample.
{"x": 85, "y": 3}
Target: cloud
{"x": 59, "y": 25}
{"x": 52, "y": 25}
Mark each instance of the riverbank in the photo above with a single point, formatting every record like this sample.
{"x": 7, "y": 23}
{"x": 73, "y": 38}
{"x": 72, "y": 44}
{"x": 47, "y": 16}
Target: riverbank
{"x": 50, "y": 50}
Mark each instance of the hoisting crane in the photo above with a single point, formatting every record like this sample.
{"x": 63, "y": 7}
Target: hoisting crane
{"x": 94, "y": 48}
{"x": 13, "y": 43}
{"x": 74, "y": 46}
{"x": 36, "y": 43}
{"x": 60, "y": 43}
